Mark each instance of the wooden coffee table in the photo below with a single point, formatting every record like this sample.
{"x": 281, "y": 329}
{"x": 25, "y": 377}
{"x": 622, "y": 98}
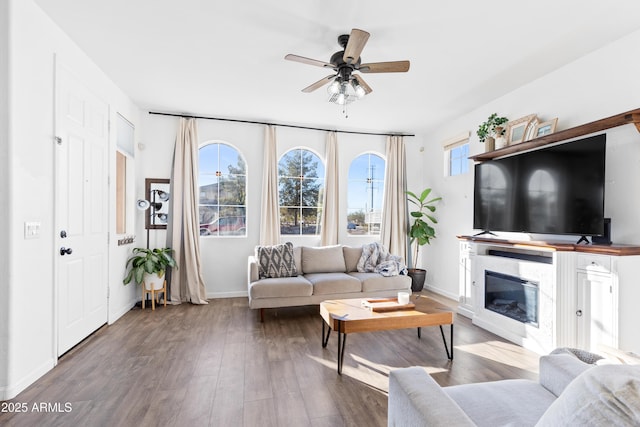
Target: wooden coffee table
{"x": 350, "y": 315}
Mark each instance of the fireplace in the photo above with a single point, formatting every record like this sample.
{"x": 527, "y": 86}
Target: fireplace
{"x": 511, "y": 296}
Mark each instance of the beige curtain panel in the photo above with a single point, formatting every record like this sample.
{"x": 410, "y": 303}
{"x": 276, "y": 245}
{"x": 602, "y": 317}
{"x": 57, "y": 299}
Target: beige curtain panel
{"x": 183, "y": 230}
{"x": 393, "y": 233}
{"x": 330, "y": 211}
{"x": 270, "y": 211}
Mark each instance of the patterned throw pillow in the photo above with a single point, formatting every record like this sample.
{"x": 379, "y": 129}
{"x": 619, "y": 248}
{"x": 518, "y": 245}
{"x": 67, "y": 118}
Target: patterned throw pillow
{"x": 276, "y": 261}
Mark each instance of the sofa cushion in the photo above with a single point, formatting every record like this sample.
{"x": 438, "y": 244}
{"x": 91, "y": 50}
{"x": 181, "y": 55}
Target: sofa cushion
{"x": 376, "y": 282}
{"x": 297, "y": 258}
{"x": 351, "y": 257}
{"x": 603, "y": 395}
{"x": 276, "y": 261}
{"x": 333, "y": 283}
{"x": 502, "y": 403}
{"x": 281, "y": 287}
{"x": 325, "y": 259}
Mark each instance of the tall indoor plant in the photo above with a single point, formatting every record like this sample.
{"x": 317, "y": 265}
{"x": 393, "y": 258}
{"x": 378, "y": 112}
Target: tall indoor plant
{"x": 149, "y": 266}
{"x": 421, "y": 232}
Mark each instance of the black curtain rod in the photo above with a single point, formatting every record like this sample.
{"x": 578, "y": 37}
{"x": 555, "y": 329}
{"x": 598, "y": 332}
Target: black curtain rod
{"x": 276, "y": 124}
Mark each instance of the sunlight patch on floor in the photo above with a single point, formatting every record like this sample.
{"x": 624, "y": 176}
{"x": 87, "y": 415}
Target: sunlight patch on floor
{"x": 503, "y": 352}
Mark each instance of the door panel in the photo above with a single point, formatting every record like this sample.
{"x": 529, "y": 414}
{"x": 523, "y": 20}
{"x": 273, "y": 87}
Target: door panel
{"x": 81, "y": 210}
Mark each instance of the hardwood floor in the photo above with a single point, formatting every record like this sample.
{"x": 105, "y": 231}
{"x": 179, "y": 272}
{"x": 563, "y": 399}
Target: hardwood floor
{"x": 217, "y": 365}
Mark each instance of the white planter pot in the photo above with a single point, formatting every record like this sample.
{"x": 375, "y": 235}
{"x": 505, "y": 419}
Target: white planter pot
{"x": 153, "y": 281}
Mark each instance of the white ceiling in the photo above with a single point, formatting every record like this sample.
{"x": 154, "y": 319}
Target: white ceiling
{"x": 225, "y": 58}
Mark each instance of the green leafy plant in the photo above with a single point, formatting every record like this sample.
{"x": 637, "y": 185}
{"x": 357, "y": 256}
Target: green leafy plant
{"x": 421, "y": 232}
{"x": 488, "y": 128}
{"x": 148, "y": 261}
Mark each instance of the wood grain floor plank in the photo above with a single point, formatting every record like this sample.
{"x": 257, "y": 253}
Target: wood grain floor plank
{"x": 218, "y": 365}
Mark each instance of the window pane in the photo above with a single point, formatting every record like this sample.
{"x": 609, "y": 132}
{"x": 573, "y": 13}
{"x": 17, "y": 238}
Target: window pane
{"x": 458, "y": 160}
{"x": 365, "y": 194}
{"x": 223, "y": 189}
{"x": 310, "y": 224}
{"x": 300, "y": 187}
{"x": 121, "y": 193}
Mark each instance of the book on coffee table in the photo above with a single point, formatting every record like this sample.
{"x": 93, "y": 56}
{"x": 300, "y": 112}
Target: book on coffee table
{"x": 380, "y": 305}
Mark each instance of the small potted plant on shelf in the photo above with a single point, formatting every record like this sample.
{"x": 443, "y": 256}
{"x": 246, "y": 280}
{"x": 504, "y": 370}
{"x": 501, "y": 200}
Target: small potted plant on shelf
{"x": 149, "y": 266}
{"x": 491, "y": 128}
{"x": 421, "y": 232}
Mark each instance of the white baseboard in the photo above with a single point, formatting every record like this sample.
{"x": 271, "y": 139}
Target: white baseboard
{"x": 12, "y": 390}
{"x": 121, "y": 311}
{"x": 234, "y": 294}
{"x": 441, "y": 292}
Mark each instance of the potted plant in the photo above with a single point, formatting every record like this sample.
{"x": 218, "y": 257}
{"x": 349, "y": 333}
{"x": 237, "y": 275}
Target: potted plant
{"x": 491, "y": 128}
{"x": 421, "y": 232}
{"x": 149, "y": 266}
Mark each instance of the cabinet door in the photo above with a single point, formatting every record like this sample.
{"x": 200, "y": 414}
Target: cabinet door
{"x": 465, "y": 279}
{"x": 597, "y": 321}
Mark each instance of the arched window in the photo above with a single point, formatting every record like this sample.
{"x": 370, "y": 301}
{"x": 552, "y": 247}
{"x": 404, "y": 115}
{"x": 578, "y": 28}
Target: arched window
{"x": 300, "y": 186}
{"x": 222, "y": 182}
{"x": 365, "y": 194}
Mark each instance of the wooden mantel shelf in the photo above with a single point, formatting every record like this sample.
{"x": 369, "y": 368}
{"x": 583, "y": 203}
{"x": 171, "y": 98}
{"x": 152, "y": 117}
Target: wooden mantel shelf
{"x": 629, "y": 117}
{"x": 614, "y": 249}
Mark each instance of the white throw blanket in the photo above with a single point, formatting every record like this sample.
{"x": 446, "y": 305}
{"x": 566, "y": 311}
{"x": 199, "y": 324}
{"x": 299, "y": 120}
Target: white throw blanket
{"x": 376, "y": 258}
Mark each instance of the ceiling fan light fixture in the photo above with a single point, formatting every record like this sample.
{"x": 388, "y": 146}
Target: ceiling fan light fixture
{"x": 357, "y": 87}
{"x": 334, "y": 87}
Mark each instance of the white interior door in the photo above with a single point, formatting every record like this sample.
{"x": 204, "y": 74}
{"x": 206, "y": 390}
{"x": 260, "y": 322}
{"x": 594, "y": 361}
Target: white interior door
{"x": 81, "y": 192}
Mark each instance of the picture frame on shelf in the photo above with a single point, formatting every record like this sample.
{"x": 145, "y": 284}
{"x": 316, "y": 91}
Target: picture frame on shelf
{"x": 516, "y": 129}
{"x": 545, "y": 128}
{"x": 530, "y": 131}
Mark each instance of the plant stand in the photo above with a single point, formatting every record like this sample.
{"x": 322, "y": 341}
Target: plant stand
{"x": 155, "y": 289}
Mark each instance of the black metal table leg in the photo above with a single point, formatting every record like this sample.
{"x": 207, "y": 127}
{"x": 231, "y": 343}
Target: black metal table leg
{"x": 446, "y": 348}
{"x": 325, "y": 338}
{"x": 342, "y": 342}
{"x": 419, "y": 332}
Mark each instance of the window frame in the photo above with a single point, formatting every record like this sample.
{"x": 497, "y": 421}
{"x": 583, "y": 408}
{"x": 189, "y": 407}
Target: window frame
{"x": 319, "y": 207}
{"x": 243, "y": 225}
{"x": 368, "y": 233}
{"x": 451, "y": 144}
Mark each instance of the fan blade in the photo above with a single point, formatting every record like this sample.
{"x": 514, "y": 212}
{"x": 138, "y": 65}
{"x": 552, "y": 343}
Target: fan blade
{"x": 385, "y": 67}
{"x": 302, "y": 59}
{"x": 357, "y": 40}
{"x": 365, "y": 86}
{"x": 318, "y": 84}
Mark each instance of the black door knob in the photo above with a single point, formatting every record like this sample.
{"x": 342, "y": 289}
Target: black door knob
{"x": 65, "y": 251}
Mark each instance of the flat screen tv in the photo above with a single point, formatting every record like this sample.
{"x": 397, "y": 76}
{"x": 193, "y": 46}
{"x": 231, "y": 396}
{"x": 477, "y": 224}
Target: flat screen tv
{"x": 554, "y": 190}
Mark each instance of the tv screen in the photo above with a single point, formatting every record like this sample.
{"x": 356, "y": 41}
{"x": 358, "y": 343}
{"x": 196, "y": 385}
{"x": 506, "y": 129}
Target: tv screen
{"x": 554, "y": 190}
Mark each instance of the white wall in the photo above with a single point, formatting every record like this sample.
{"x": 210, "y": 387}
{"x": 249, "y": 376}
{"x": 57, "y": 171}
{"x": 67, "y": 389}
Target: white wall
{"x": 5, "y": 168}
{"x": 596, "y": 86}
{"x": 28, "y": 302}
{"x": 224, "y": 259}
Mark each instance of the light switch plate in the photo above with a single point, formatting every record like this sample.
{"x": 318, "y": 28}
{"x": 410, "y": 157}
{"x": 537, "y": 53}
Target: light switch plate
{"x": 31, "y": 230}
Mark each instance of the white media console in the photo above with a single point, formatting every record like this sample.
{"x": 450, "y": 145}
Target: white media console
{"x": 545, "y": 295}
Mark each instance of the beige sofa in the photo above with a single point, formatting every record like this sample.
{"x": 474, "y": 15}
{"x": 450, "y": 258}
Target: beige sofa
{"x": 324, "y": 273}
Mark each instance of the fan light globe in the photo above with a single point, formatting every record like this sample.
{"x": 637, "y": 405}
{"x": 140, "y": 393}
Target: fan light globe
{"x": 334, "y": 87}
{"x": 359, "y": 89}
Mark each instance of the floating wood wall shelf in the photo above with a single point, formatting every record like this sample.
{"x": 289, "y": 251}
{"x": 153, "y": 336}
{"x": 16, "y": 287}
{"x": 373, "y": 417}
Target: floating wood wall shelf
{"x": 629, "y": 117}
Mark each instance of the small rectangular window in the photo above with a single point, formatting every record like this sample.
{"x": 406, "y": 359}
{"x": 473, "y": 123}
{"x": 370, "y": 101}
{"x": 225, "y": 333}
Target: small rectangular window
{"x": 456, "y": 155}
{"x": 459, "y": 160}
{"x": 121, "y": 193}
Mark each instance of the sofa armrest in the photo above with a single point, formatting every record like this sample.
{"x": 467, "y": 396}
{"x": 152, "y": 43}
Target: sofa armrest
{"x": 252, "y": 270}
{"x": 558, "y": 370}
{"x": 415, "y": 399}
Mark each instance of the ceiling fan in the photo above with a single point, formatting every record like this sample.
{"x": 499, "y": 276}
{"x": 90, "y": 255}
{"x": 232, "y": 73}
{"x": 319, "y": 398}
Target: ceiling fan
{"x": 347, "y": 86}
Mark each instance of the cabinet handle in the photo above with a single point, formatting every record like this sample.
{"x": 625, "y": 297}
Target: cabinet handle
{"x": 579, "y": 313}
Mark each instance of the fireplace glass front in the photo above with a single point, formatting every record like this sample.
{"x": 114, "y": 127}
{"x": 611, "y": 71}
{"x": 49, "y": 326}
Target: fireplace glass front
{"x": 511, "y": 296}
